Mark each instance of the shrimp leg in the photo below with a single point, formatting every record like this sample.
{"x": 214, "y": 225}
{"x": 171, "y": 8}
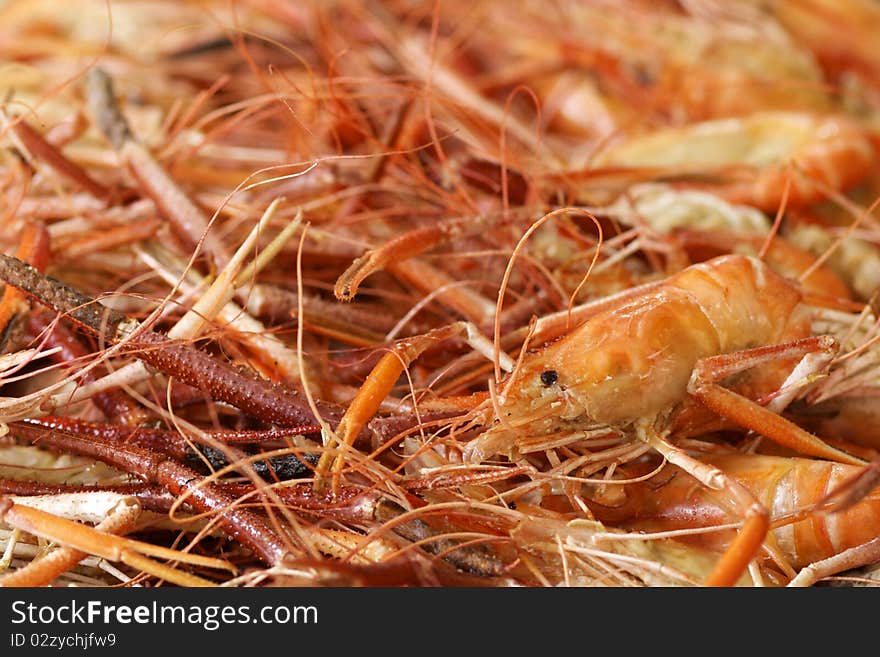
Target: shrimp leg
{"x": 857, "y": 556}
{"x": 751, "y": 415}
{"x": 764, "y": 421}
{"x": 748, "y": 541}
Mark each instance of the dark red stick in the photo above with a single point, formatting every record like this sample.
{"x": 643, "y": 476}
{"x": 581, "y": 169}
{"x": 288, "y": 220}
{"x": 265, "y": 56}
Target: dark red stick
{"x": 244, "y": 389}
{"x": 351, "y": 505}
{"x": 244, "y": 525}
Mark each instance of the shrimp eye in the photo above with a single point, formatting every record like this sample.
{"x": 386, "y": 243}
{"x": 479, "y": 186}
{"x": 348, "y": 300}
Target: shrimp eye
{"x": 549, "y": 377}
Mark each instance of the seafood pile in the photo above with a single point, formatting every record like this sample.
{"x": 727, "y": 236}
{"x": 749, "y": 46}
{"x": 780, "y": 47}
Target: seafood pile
{"x": 405, "y": 293}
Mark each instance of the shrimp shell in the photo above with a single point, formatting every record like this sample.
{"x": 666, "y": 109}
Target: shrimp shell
{"x": 786, "y": 486}
{"x": 760, "y": 149}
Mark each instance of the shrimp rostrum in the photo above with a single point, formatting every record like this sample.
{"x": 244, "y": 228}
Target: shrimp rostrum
{"x": 709, "y": 340}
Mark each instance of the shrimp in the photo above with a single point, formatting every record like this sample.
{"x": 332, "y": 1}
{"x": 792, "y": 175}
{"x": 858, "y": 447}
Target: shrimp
{"x": 666, "y": 209}
{"x": 841, "y": 34}
{"x": 637, "y": 360}
{"x": 635, "y": 367}
{"x": 680, "y": 64}
{"x": 752, "y": 156}
{"x": 855, "y": 260}
{"x": 702, "y": 223}
{"x": 781, "y": 254}
{"x": 794, "y": 491}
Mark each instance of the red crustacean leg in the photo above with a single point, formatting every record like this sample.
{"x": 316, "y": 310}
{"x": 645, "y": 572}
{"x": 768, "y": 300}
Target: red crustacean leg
{"x": 162, "y": 440}
{"x": 762, "y": 420}
{"x": 271, "y": 403}
{"x": 185, "y": 448}
{"x": 396, "y": 250}
{"x": 245, "y": 525}
{"x": 397, "y": 253}
{"x": 351, "y": 504}
{"x": 753, "y": 416}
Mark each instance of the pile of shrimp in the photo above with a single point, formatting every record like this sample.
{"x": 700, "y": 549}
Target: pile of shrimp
{"x": 407, "y": 293}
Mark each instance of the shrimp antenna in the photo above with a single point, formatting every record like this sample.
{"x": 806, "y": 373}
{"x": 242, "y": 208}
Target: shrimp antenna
{"x": 509, "y": 270}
